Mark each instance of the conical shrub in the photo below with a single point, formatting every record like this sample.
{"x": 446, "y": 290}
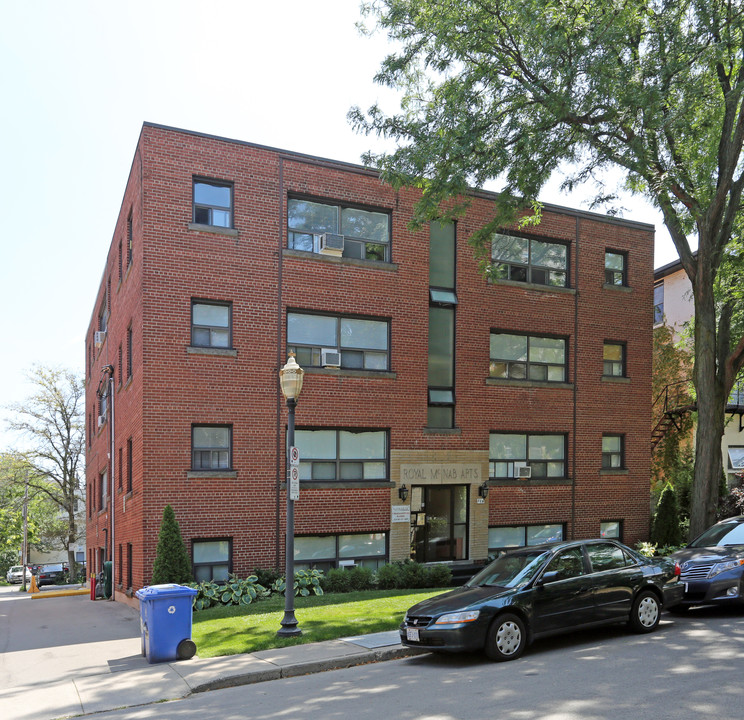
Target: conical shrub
{"x": 172, "y": 562}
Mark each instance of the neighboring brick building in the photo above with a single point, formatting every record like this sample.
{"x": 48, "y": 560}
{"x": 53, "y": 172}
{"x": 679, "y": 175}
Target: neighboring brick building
{"x": 228, "y": 255}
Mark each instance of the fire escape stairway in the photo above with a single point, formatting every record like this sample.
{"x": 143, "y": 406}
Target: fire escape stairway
{"x": 670, "y": 406}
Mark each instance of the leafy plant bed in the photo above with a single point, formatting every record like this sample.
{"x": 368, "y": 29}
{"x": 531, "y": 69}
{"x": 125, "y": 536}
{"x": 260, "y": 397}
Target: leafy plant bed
{"x": 228, "y": 630}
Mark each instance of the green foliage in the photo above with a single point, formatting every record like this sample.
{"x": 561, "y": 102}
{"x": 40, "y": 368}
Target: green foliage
{"x": 652, "y": 550}
{"x": 234, "y": 592}
{"x": 410, "y": 574}
{"x": 172, "y": 563}
{"x": 513, "y": 90}
{"x": 267, "y": 577}
{"x": 666, "y": 529}
{"x": 305, "y": 583}
{"x": 344, "y": 581}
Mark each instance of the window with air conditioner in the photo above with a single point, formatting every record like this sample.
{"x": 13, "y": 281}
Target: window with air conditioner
{"x": 543, "y": 454}
{"x": 354, "y": 343}
{"x": 316, "y": 226}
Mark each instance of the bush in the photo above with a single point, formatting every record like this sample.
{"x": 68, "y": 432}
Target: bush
{"x": 172, "y": 563}
{"x": 343, "y": 581}
{"x": 438, "y": 576}
{"x": 666, "y": 529}
{"x": 234, "y": 592}
{"x": 267, "y": 577}
{"x": 411, "y": 575}
{"x": 305, "y": 582}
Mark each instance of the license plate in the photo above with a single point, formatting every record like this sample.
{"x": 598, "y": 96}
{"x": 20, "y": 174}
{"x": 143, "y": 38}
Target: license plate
{"x": 412, "y": 634}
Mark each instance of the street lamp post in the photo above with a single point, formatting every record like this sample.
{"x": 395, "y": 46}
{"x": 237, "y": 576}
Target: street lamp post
{"x": 290, "y": 380}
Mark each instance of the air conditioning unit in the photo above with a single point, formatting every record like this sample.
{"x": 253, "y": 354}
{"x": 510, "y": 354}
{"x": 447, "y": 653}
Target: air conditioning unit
{"x": 522, "y": 471}
{"x": 346, "y": 564}
{"x": 330, "y": 357}
{"x": 101, "y": 420}
{"x": 98, "y": 337}
{"x": 332, "y": 244}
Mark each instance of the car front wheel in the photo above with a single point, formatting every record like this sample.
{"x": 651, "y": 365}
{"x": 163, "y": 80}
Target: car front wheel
{"x": 646, "y": 612}
{"x": 507, "y": 638}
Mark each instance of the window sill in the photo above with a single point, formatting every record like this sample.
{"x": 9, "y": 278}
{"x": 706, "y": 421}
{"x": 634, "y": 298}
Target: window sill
{"x": 620, "y": 288}
{"x": 441, "y": 431}
{"x": 215, "y": 229}
{"x": 516, "y": 482}
{"x": 342, "y": 484}
{"x": 223, "y": 352}
{"x": 355, "y": 262}
{"x": 615, "y": 379}
{"x": 615, "y": 471}
{"x": 502, "y": 382}
{"x": 214, "y": 474}
{"x": 534, "y": 286}
{"x": 342, "y": 372}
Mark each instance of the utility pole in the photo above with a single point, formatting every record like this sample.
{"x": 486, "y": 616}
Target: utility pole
{"x": 24, "y": 559}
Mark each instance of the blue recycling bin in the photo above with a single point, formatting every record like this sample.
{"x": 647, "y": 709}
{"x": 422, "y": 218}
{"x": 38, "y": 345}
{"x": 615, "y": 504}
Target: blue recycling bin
{"x": 165, "y": 621}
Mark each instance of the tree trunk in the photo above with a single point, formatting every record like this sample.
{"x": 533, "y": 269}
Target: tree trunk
{"x": 711, "y": 405}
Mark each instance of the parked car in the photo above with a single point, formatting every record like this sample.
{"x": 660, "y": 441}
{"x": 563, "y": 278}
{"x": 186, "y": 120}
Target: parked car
{"x": 15, "y": 574}
{"x": 50, "y": 574}
{"x": 713, "y": 566}
{"x": 543, "y": 590}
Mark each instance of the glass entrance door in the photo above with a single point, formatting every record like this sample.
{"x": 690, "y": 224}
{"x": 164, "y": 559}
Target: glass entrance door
{"x": 439, "y": 522}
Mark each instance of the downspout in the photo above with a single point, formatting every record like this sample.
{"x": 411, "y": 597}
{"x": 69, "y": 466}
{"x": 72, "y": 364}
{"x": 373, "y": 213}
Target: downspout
{"x": 113, "y": 485}
{"x": 277, "y": 393}
{"x": 575, "y": 379}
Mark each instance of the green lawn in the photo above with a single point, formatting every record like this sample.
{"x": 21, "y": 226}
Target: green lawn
{"x": 234, "y": 629}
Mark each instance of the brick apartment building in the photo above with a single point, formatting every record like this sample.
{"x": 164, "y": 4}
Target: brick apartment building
{"x": 442, "y": 417}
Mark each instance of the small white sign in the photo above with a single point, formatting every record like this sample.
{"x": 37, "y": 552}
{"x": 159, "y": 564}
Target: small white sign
{"x": 294, "y": 483}
{"x": 400, "y": 513}
{"x": 294, "y": 455}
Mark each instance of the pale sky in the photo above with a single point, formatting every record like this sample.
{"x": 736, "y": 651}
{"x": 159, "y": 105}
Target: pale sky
{"x": 79, "y": 78}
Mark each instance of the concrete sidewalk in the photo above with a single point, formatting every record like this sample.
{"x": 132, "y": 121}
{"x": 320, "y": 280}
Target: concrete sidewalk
{"x": 86, "y": 666}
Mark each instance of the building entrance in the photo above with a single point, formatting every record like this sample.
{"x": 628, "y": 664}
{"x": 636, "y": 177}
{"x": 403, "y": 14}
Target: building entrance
{"x": 439, "y": 523}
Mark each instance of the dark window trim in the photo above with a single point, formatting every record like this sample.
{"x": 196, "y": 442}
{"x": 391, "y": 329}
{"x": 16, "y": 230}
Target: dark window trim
{"x": 624, "y": 361}
{"x": 621, "y": 467}
{"x": 525, "y": 526}
{"x": 624, "y": 254}
{"x": 345, "y": 481}
{"x": 540, "y": 238}
{"x": 549, "y": 336}
{"x": 217, "y": 183}
{"x": 217, "y": 303}
{"x": 336, "y": 535}
{"x": 619, "y": 521}
{"x": 339, "y": 316}
{"x": 211, "y": 470}
{"x": 538, "y": 479}
{"x": 227, "y": 539}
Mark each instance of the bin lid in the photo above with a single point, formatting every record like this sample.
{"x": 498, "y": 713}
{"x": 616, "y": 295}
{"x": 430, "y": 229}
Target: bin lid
{"x": 153, "y": 592}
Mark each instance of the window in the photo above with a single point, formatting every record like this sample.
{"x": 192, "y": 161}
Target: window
{"x": 102, "y": 490}
{"x": 544, "y": 454}
{"x": 118, "y": 566}
{"x": 130, "y": 239}
{"x": 103, "y": 314}
{"x": 121, "y": 468}
{"x": 211, "y": 447}
{"x": 606, "y": 556}
{"x": 345, "y": 455}
{"x": 612, "y": 452}
{"x": 129, "y": 465}
{"x": 121, "y": 267}
{"x": 362, "y": 344}
{"x": 519, "y": 357}
{"x": 500, "y": 538}
{"x": 616, "y": 268}
{"x": 736, "y": 457}
{"x": 366, "y": 233}
{"x": 213, "y": 203}
{"x": 129, "y": 352}
{"x": 212, "y": 560}
{"x": 567, "y": 564}
{"x": 611, "y": 529}
{"x": 659, "y": 302}
{"x": 331, "y": 551}
{"x": 527, "y": 260}
{"x": 211, "y": 324}
{"x": 613, "y": 356}
{"x": 120, "y": 367}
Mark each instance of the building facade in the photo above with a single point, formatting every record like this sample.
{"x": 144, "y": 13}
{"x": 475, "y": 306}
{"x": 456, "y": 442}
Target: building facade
{"x": 443, "y": 415}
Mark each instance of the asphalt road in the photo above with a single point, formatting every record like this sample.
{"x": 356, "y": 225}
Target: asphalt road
{"x": 690, "y": 668}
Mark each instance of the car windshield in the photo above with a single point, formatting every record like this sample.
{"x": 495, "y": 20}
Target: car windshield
{"x": 511, "y": 570}
{"x": 731, "y": 533}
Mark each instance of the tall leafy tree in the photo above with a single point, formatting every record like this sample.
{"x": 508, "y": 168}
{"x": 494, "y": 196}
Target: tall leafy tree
{"x": 51, "y": 422}
{"x": 513, "y": 90}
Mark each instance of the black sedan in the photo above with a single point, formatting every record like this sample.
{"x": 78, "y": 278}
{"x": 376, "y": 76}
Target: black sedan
{"x": 544, "y": 590}
{"x": 713, "y": 566}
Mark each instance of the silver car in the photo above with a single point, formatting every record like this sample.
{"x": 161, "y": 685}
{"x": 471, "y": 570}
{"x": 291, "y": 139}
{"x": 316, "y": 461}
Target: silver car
{"x": 15, "y": 575}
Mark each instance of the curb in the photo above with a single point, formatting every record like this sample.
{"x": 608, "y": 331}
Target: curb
{"x": 58, "y": 593}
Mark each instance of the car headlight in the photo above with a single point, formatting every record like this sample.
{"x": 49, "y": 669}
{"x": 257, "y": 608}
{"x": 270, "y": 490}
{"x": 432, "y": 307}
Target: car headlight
{"x": 718, "y": 568}
{"x": 458, "y": 617}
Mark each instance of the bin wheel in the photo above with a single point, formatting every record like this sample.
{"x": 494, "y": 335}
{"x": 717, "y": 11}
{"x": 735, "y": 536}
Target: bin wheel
{"x": 186, "y": 649}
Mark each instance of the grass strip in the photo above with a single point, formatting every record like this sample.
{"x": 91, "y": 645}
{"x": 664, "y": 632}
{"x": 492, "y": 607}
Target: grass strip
{"x": 228, "y": 630}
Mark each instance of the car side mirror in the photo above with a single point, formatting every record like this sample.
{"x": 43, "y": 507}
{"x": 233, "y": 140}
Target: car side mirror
{"x": 549, "y": 577}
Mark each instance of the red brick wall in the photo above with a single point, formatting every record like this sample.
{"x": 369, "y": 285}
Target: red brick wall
{"x": 172, "y": 388}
